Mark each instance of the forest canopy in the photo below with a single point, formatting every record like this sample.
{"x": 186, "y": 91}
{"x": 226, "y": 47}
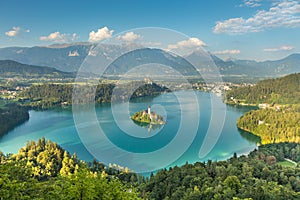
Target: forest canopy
{"x": 278, "y": 120}
{"x": 285, "y": 90}
{"x": 43, "y": 170}
{"x": 44, "y": 96}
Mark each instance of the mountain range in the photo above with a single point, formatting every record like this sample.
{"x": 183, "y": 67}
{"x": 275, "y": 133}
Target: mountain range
{"x": 68, "y": 58}
{"x": 10, "y": 69}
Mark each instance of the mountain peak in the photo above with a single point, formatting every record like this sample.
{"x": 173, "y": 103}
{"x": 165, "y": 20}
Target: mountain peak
{"x": 68, "y": 58}
{"x": 293, "y": 56}
{"x": 230, "y": 59}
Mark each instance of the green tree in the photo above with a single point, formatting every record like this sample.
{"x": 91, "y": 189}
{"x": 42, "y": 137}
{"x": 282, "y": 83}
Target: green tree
{"x": 233, "y": 183}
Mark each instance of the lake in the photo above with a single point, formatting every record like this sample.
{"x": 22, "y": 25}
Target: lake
{"x": 112, "y": 137}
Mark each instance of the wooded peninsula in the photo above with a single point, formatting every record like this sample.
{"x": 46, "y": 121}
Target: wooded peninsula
{"x": 278, "y": 119}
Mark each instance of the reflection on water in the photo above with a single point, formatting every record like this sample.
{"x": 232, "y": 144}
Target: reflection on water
{"x": 242, "y": 109}
{"x": 249, "y": 136}
{"x": 147, "y": 99}
{"x": 149, "y": 126}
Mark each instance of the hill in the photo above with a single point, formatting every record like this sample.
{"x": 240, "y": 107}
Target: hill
{"x": 284, "y": 90}
{"x": 9, "y": 69}
{"x": 64, "y": 57}
{"x": 279, "y": 117}
{"x": 44, "y": 170}
{"x": 44, "y": 96}
{"x": 12, "y": 115}
{"x": 57, "y": 57}
{"x": 284, "y": 66}
{"x": 273, "y": 126}
{"x": 156, "y": 57}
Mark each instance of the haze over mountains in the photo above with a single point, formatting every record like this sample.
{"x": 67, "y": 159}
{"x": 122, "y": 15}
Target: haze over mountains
{"x": 10, "y": 68}
{"x": 68, "y": 58}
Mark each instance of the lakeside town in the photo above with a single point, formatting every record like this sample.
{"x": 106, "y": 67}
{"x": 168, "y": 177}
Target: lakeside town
{"x": 10, "y": 91}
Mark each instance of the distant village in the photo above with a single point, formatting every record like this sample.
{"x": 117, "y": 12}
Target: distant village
{"x": 8, "y": 94}
{"x": 218, "y": 88}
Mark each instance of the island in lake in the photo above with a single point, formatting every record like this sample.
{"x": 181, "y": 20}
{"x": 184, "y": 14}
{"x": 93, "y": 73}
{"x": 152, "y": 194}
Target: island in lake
{"x": 148, "y": 117}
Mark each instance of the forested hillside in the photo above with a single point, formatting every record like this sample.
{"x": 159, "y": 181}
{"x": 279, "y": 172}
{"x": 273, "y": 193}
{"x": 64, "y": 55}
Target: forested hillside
{"x": 45, "y": 96}
{"x": 43, "y": 170}
{"x": 12, "y": 115}
{"x": 9, "y": 69}
{"x": 257, "y": 176}
{"x": 285, "y": 90}
{"x": 278, "y": 120}
{"x": 273, "y": 126}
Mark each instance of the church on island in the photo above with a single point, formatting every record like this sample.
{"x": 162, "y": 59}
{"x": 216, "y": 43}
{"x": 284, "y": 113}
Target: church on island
{"x": 146, "y": 116}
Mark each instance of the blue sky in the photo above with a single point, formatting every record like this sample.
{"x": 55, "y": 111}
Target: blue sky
{"x": 243, "y": 29}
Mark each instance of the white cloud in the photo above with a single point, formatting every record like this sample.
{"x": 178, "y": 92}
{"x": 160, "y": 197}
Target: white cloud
{"x": 59, "y": 37}
{"x": 251, "y": 3}
{"x": 152, "y": 44}
{"x": 282, "y": 48}
{"x": 190, "y": 43}
{"x": 224, "y": 52}
{"x": 13, "y": 32}
{"x": 101, "y": 34}
{"x": 283, "y": 14}
{"x": 129, "y": 37}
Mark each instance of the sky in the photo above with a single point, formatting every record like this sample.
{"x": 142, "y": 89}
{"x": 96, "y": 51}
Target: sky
{"x": 239, "y": 29}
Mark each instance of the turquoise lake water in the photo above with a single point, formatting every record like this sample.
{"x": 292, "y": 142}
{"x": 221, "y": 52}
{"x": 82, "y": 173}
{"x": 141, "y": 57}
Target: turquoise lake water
{"x": 142, "y": 149}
